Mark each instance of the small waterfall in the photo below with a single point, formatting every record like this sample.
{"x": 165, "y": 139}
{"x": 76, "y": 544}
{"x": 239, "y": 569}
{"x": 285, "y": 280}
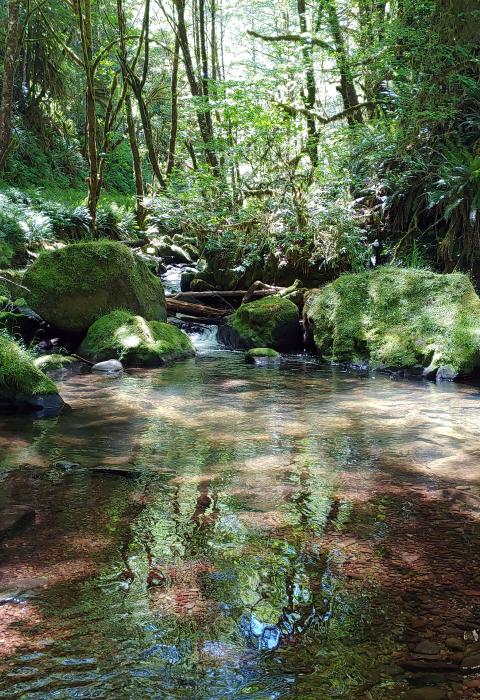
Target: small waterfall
{"x": 172, "y": 277}
{"x": 204, "y": 338}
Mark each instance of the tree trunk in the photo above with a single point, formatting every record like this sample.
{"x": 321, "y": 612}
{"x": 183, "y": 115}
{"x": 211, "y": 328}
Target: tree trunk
{"x": 137, "y": 162}
{"x": 84, "y": 16}
{"x": 347, "y": 86}
{"x": 311, "y": 88}
{"x": 174, "y": 110}
{"x": 132, "y": 132}
{"x": 204, "y": 115}
{"x": 9, "y": 70}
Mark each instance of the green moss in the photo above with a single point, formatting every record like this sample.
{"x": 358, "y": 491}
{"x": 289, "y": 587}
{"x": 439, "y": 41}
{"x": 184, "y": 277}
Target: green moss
{"x": 10, "y": 322}
{"x": 19, "y": 378}
{"x": 49, "y": 363}
{"x": 11, "y": 283}
{"x": 261, "y": 354}
{"x": 74, "y": 286}
{"x": 397, "y": 318}
{"x": 269, "y": 322}
{"x": 135, "y": 341}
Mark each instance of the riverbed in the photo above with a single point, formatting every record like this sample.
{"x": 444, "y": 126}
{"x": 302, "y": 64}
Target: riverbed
{"x": 214, "y": 530}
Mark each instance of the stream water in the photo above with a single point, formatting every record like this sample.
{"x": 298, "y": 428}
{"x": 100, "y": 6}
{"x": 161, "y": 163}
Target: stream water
{"x": 213, "y": 530}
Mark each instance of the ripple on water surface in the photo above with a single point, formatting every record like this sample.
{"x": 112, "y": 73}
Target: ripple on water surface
{"x": 268, "y": 534}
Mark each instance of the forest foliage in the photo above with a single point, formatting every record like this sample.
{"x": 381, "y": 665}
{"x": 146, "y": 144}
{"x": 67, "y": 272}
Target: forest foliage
{"x": 304, "y": 129}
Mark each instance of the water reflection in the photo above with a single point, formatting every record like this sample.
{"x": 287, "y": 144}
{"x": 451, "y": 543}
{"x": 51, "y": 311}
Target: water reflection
{"x": 226, "y": 569}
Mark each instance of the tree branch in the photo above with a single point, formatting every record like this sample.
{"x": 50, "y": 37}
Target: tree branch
{"x": 293, "y": 111}
{"x": 297, "y": 38}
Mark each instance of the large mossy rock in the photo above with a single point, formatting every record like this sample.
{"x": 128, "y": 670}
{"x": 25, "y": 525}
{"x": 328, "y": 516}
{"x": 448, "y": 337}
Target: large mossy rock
{"x": 74, "y": 286}
{"x": 271, "y": 322}
{"x": 135, "y": 341}
{"x": 397, "y": 319}
{"x": 22, "y": 384}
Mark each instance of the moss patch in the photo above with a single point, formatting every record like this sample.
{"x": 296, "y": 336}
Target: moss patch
{"x": 271, "y": 322}
{"x": 74, "y": 286}
{"x": 20, "y": 380}
{"x": 397, "y": 318}
{"x": 50, "y": 363}
{"x": 261, "y": 354}
{"x": 135, "y": 341}
{"x": 11, "y": 283}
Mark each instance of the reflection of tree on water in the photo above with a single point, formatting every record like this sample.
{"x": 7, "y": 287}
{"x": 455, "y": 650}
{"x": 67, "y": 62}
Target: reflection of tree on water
{"x": 199, "y": 560}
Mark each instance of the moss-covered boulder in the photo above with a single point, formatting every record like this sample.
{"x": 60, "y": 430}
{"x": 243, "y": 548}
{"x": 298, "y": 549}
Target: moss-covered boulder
{"x": 397, "y": 319}
{"x": 74, "y": 286}
{"x": 135, "y": 341}
{"x": 22, "y": 385}
{"x": 263, "y": 356}
{"x": 271, "y": 322}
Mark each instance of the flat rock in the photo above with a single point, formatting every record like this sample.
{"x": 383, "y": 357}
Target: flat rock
{"x": 15, "y": 518}
{"x": 427, "y": 648}
{"x": 471, "y": 663}
{"x": 454, "y": 643}
{"x": 108, "y": 367}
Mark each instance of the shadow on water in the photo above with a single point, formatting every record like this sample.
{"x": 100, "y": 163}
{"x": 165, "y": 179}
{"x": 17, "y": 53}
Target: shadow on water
{"x": 272, "y": 534}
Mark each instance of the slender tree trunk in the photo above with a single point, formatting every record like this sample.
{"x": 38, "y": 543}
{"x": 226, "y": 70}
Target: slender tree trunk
{"x": 174, "y": 110}
{"x": 9, "y": 70}
{"x": 137, "y": 162}
{"x": 347, "y": 85}
{"x": 84, "y": 15}
{"x": 204, "y": 114}
{"x": 138, "y": 85}
{"x": 311, "y": 88}
{"x": 132, "y": 132}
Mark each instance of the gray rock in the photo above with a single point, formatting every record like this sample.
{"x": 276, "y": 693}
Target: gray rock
{"x": 47, "y": 405}
{"x": 427, "y": 648}
{"x": 471, "y": 663}
{"x": 186, "y": 279}
{"x": 446, "y": 374}
{"x": 108, "y": 367}
{"x": 454, "y": 643}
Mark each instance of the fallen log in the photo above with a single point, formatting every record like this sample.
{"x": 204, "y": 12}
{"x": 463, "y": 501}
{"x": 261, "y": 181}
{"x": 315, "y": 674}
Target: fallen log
{"x": 200, "y": 320}
{"x": 214, "y": 293}
{"x": 175, "y": 306}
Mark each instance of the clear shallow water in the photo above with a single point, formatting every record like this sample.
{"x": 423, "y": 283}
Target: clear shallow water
{"x": 256, "y": 552}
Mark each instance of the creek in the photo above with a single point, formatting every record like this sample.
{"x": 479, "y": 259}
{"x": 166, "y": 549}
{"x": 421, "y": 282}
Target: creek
{"x": 218, "y": 530}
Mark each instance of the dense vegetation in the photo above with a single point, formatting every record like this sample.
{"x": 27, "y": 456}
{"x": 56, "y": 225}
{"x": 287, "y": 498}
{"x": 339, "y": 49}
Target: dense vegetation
{"x": 301, "y": 131}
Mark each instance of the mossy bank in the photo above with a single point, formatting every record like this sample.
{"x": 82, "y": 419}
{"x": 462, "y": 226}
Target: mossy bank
{"x": 74, "y": 286}
{"x": 396, "y": 319}
{"x": 22, "y": 384}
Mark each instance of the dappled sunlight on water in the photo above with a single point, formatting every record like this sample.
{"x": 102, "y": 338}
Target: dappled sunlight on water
{"x": 267, "y": 533}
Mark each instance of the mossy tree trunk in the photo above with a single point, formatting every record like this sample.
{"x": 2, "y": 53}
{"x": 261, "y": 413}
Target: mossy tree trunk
{"x": 347, "y": 87}
{"x": 9, "y": 70}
